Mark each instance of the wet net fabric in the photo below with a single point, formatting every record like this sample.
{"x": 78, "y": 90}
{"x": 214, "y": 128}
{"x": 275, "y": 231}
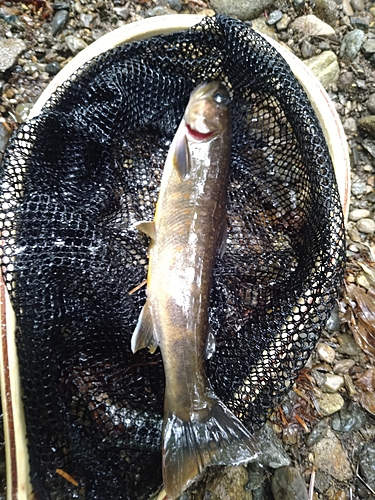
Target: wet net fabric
{"x": 76, "y": 179}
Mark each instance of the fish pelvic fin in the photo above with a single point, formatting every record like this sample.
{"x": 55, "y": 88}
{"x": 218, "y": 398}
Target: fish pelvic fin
{"x": 144, "y": 333}
{"x": 189, "y": 447}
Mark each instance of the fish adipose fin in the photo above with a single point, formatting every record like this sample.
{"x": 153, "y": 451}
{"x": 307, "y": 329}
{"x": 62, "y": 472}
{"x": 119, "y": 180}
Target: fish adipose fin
{"x": 144, "y": 333}
{"x": 189, "y": 447}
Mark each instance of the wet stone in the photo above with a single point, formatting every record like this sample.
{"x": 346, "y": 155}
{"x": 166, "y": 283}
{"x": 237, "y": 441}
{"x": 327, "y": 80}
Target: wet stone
{"x": 366, "y": 226}
{"x": 359, "y": 188}
{"x": 349, "y": 418}
{"x": 272, "y": 453}
{"x": 22, "y": 111}
{"x": 369, "y": 46}
{"x": 369, "y": 146}
{"x": 331, "y": 458}
{"x": 53, "y": 68}
{"x": 359, "y": 213}
{"x": 330, "y": 403}
{"x": 175, "y": 5}
{"x": 349, "y": 385}
{"x": 122, "y": 12}
{"x": 352, "y": 44}
{"x": 322, "y": 481}
{"x": 366, "y": 464}
{"x": 274, "y": 17}
{"x": 350, "y": 125}
{"x": 59, "y": 21}
{"x": 333, "y": 321}
{"x": 288, "y": 484}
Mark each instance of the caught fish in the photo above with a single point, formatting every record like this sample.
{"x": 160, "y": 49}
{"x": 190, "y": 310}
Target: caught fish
{"x": 188, "y": 233}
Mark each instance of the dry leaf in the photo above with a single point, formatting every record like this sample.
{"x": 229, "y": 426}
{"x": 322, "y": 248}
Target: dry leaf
{"x": 362, "y": 320}
{"x": 366, "y": 390}
{"x": 367, "y": 400}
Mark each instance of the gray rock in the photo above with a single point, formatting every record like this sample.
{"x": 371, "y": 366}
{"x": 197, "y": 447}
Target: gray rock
{"x": 366, "y": 464}
{"x": 366, "y": 226}
{"x": 274, "y": 17}
{"x": 59, "y": 21}
{"x": 350, "y": 125}
{"x": 360, "y": 22}
{"x": 369, "y": 146}
{"x": 333, "y": 322}
{"x": 9, "y": 52}
{"x": 357, "y": 5}
{"x": 272, "y": 452}
{"x": 312, "y": 26}
{"x": 326, "y": 10}
{"x": 349, "y": 418}
{"x": 359, "y": 188}
{"x": 284, "y": 22}
{"x": 345, "y": 81}
{"x": 287, "y": 484}
{"x": 307, "y": 49}
{"x": 330, "y": 457}
{"x": 75, "y": 44}
{"x": 4, "y": 138}
{"x": 87, "y": 20}
{"x": 352, "y": 44}
{"x": 318, "y": 432}
{"x": 122, "y": 12}
{"x": 371, "y": 103}
{"x": 175, "y": 5}
{"x": 242, "y": 9}
{"x": 359, "y": 213}
{"x": 325, "y": 67}
{"x": 369, "y": 46}
{"x": 159, "y": 10}
{"x": 322, "y": 481}
{"x": 330, "y": 403}
{"x": 53, "y": 68}
{"x": 347, "y": 345}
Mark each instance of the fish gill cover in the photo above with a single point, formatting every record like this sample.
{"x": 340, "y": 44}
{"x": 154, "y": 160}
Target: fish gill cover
{"x": 78, "y": 177}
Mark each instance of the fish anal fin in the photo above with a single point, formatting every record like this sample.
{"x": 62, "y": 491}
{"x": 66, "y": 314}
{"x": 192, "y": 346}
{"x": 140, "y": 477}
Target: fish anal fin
{"x": 181, "y": 157}
{"x": 189, "y": 447}
{"x": 144, "y": 334}
{"x": 147, "y": 227}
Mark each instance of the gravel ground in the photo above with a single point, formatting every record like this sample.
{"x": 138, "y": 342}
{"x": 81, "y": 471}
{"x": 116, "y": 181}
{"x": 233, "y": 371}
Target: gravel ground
{"x": 323, "y": 435}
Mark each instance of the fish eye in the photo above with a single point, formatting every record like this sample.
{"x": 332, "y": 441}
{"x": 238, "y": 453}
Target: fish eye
{"x": 220, "y": 98}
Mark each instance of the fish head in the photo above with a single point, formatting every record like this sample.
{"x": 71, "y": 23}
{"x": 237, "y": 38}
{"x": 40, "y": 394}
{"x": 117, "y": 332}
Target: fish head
{"x": 207, "y": 114}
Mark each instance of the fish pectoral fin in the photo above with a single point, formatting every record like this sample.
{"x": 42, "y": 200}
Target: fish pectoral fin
{"x": 181, "y": 157}
{"x": 189, "y": 447}
{"x": 144, "y": 333}
{"x": 147, "y": 227}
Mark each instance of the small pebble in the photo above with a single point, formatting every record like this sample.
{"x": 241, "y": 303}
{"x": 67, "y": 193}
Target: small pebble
{"x": 22, "y": 111}
{"x": 307, "y": 49}
{"x": 333, "y": 383}
{"x": 352, "y": 44}
{"x": 325, "y": 352}
{"x": 347, "y": 345}
{"x": 175, "y": 5}
{"x": 53, "y": 68}
{"x": 318, "y": 432}
{"x": 359, "y": 188}
{"x": 349, "y": 418}
{"x": 284, "y": 22}
{"x": 350, "y": 125}
{"x": 59, "y": 21}
{"x": 360, "y": 22}
{"x": 359, "y": 213}
{"x": 357, "y": 5}
{"x": 343, "y": 366}
{"x": 75, "y": 44}
{"x": 349, "y": 385}
{"x": 366, "y": 226}
{"x": 361, "y": 280}
{"x": 288, "y": 484}
{"x": 330, "y": 403}
{"x": 274, "y": 17}
{"x": 333, "y": 322}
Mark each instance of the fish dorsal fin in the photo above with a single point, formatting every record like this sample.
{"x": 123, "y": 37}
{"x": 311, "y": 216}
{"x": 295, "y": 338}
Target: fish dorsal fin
{"x": 181, "y": 157}
{"x": 147, "y": 227}
{"x": 144, "y": 334}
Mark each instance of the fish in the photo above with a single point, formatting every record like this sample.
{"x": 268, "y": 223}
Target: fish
{"x": 188, "y": 234}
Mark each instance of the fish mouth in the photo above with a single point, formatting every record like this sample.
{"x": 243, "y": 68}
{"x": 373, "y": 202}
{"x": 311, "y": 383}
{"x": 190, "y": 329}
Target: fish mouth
{"x": 199, "y": 136}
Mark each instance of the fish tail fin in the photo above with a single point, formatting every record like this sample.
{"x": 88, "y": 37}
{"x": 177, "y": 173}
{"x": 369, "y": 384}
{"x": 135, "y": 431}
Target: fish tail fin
{"x": 190, "y": 446}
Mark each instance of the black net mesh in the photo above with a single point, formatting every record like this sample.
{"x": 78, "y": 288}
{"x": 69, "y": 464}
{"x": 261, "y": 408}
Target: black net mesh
{"x": 74, "y": 182}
